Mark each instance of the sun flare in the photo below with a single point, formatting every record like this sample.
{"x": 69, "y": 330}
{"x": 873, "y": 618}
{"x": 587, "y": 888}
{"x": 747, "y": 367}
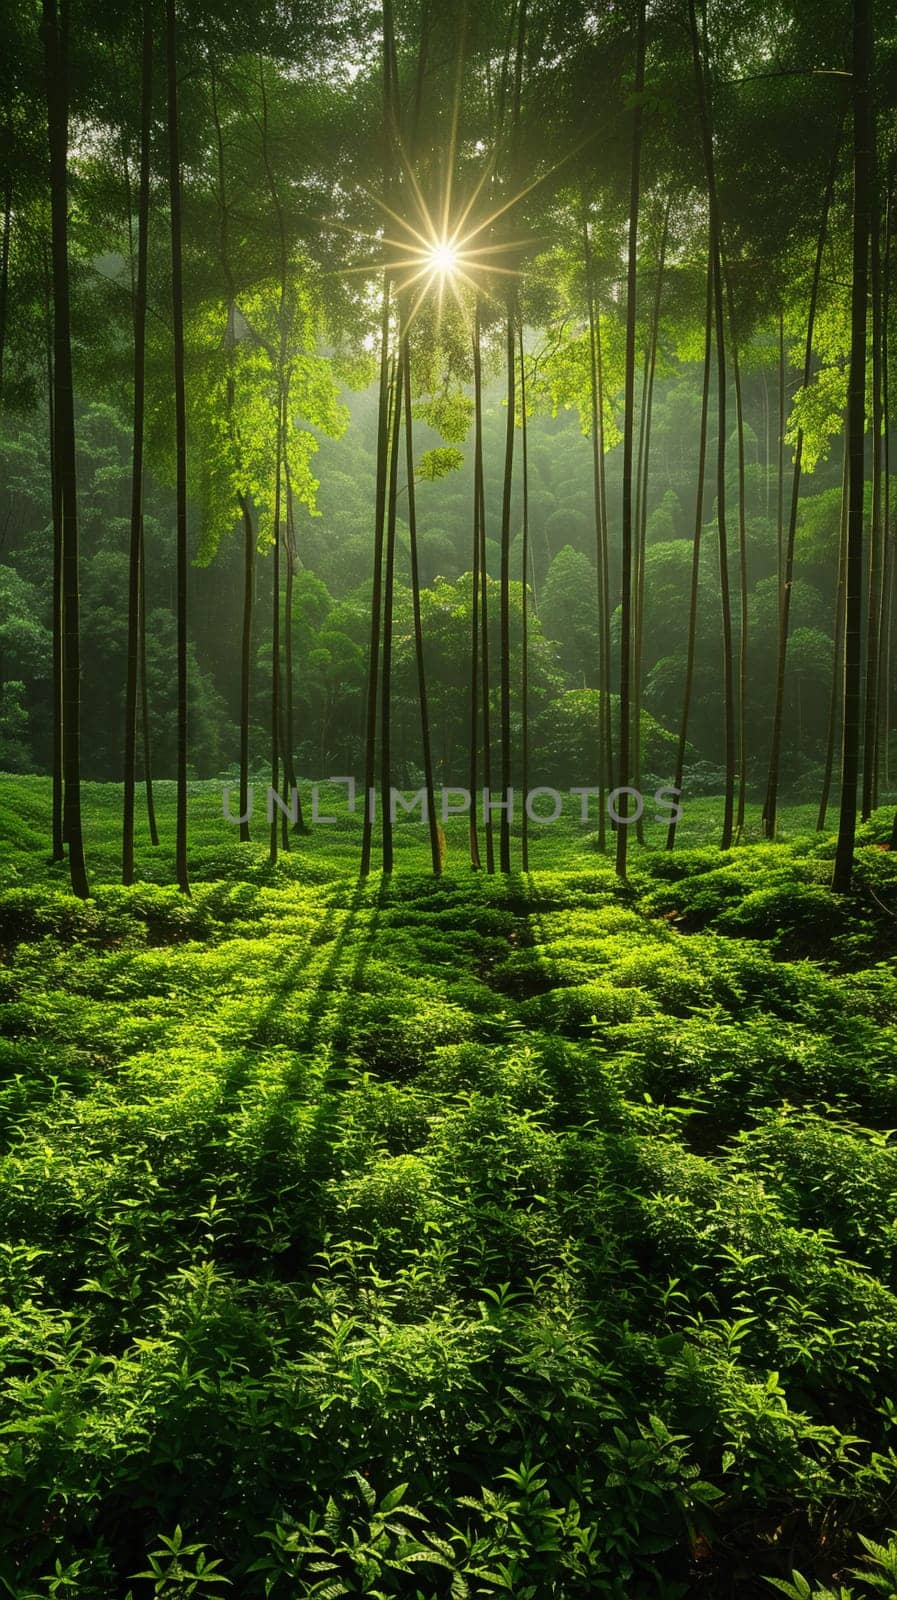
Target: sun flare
{"x": 453, "y": 253}
{"x": 443, "y": 257}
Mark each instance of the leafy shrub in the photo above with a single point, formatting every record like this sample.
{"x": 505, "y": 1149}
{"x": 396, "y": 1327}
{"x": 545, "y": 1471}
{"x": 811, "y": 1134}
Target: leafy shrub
{"x": 584, "y": 1006}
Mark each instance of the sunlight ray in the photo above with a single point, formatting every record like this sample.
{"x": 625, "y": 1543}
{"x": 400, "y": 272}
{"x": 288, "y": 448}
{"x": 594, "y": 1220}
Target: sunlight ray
{"x": 418, "y": 193}
{"x": 474, "y": 197}
{"x": 415, "y": 309}
{"x": 528, "y": 188}
{"x": 453, "y": 133}
{"x": 495, "y": 249}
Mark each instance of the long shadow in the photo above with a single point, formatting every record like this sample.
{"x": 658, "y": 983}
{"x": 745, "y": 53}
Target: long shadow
{"x": 321, "y": 1025}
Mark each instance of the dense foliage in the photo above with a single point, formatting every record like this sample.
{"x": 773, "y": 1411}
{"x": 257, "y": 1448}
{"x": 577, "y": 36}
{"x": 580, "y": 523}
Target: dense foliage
{"x": 528, "y": 1236}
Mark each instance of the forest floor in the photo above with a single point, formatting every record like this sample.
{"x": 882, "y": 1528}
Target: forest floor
{"x": 529, "y": 1236}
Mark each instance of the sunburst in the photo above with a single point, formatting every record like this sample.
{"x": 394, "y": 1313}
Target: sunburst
{"x": 459, "y": 251}
{"x": 443, "y": 257}
{"x": 424, "y": 256}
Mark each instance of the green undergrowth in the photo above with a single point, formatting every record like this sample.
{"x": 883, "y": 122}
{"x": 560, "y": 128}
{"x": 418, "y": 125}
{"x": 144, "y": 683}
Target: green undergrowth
{"x": 530, "y": 1236}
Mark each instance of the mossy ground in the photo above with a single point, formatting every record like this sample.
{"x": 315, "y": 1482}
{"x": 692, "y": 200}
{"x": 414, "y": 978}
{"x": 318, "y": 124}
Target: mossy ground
{"x": 570, "y": 1205}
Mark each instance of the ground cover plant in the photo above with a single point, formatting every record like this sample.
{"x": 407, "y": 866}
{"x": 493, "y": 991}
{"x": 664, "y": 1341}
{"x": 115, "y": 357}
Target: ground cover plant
{"x": 479, "y": 1236}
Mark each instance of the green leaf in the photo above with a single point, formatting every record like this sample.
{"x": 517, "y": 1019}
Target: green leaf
{"x": 438, "y": 463}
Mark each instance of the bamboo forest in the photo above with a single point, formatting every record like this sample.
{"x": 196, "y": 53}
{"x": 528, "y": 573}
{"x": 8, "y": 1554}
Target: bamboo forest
{"x": 448, "y": 799}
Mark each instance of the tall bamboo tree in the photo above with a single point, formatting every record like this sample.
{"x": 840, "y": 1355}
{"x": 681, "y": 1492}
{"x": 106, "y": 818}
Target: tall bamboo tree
{"x": 289, "y": 730}
{"x": 4, "y": 269}
{"x": 390, "y": 133}
{"x": 875, "y": 585}
{"x": 641, "y": 515}
{"x": 886, "y": 654}
{"x": 772, "y": 782}
{"x": 57, "y": 757}
{"x": 599, "y": 501}
{"x": 856, "y": 427}
{"x": 243, "y": 499}
{"x": 136, "y": 529}
{"x": 474, "y": 721}
{"x": 388, "y": 607}
{"x": 628, "y": 438}
{"x": 429, "y": 786}
{"x": 146, "y": 733}
{"x": 504, "y": 826}
{"x": 704, "y": 116}
{"x": 56, "y": 29}
{"x": 275, "y": 620}
{"x": 742, "y": 550}
{"x": 480, "y": 534}
{"x": 180, "y": 414}
{"x": 837, "y": 644}
{"x": 524, "y": 610}
{"x": 281, "y": 387}
{"x": 696, "y": 545}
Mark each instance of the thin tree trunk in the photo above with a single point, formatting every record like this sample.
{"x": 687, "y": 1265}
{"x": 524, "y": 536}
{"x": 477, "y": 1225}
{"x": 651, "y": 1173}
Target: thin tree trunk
{"x": 286, "y": 695}
{"x": 628, "y": 433}
{"x": 601, "y": 560}
{"x": 58, "y": 831}
{"x": 177, "y": 298}
{"x": 742, "y": 556}
{"x": 765, "y": 442}
{"x": 638, "y": 585}
{"x": 524, "y": 615}
{"x": 246, "y": 662}
{"x": 488, "y": 826}
{"x": 725, "y": 599}
{"x": 56, "y": 52}
{"x": 370, "y": 746}
{"x": 874, "y": 604}
{"x": 696, "y": 545}
{"x": 772, "y": 784}
{"x": 837, "y": 640}
{"x": 484, "y": 596}
{"x": 144, "y": 698}
{"x": 299, "y": 825}
{"x": 432, "y": 819}
{"x": 249, "y": 540}
{"x": 642, "y": 515}
{"x": 507, "y": 483}
{"x": 856, "y": 420}
{"x": 473, "y": 764}
{"x": 275, "y": 628}
{"x": 279, "y": 758}
{"x": 388, "y": 595}
{"x": 136, "y": 531}
{"x": 887, "y": 623}
{"x": 600, "y": 541}
{"x": 377, "y": 587}
{"x": 780, "y": 480}
{"x": 504, "y": 827}
{"x": 280, "y": 458}
{"x": 604, "y": 554}
{"x": 4, "y": 272}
